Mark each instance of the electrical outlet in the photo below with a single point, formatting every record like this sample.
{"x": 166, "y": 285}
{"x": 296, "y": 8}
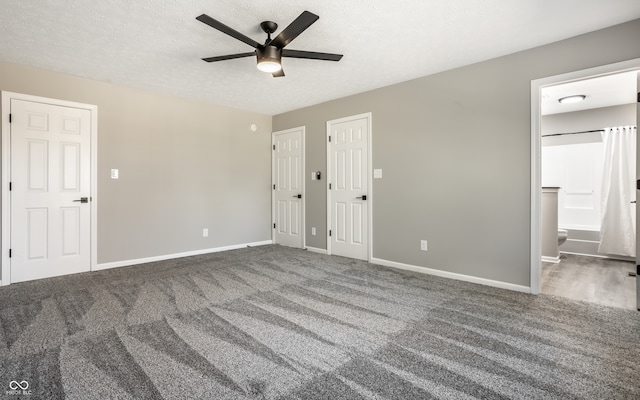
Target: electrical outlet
{"x": 423, "y": 245}
{"x": 313, "y": 231}
{"x": 205, "y": 232}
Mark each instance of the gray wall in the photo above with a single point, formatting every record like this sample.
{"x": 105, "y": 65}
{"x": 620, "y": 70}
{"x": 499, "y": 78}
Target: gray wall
{"x": 184, "y": 166}
{"x": 455, "y": 152}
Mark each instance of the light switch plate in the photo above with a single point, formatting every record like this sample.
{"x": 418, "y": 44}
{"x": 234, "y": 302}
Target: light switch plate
{"x": 377, "y": 173}
{"x": 114, "y": 174}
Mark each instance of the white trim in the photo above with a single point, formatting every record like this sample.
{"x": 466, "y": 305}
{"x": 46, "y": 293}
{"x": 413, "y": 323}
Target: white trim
{"x": 6, "y": 174}
{"x": 6, "y": 167}
{"x": 368, "y": 117}
{"x": 452, "y": 275}
{"x": 536, "y": 189}
{"x": 328, "y": 164}
{"x": 303, "y": 212}
{"x": 316, "y": 250}
{"x": 137, "y": 261}
{"x": 554, "y": 260}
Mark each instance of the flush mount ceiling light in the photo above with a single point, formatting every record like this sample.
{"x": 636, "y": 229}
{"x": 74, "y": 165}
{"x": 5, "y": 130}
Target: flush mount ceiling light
{"x": 270, "y": 53}
{"x": 572, "y": 99}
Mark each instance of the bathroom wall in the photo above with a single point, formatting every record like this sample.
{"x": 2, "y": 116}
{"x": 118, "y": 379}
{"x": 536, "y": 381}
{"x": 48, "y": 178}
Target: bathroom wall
{"x": 574, "y": 163}
{"x": 577, "y": 170}
{"x": 578, "y": 121}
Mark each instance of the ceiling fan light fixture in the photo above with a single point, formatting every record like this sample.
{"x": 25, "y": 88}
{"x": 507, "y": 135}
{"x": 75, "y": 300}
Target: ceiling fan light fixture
{"x": 269, "y": 59}
{"x": 269, "y": 66}
{"x": 572, "y": 99}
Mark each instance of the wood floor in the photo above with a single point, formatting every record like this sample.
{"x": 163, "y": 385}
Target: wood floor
{"x": 592, "y": 279}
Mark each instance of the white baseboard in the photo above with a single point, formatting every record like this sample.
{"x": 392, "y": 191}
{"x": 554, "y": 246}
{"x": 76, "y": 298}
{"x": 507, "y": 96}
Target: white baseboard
{"x": 554, "y": 260}
{"x": 316, "y": 250}
{"x": 137, "y": 261}
{"x": 452, "y": 275}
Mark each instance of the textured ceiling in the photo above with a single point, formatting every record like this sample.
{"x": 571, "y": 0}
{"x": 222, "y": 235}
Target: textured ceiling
{"x": 157, "y": 44}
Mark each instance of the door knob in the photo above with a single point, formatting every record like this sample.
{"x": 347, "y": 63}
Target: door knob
{"x": 363, "y": 197}
{"x": 82, "y": 200}
{"x": 299, "y": 196}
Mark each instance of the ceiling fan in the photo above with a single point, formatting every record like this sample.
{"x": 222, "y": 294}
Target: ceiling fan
{"x": 269, "y": 54}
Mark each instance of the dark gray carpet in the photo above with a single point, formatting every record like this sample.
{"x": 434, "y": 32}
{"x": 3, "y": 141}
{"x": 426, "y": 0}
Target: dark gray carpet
{"x": 278, "y": 323}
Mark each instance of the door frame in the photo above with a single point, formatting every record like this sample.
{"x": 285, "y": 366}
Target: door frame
{"x": 536, "y": 139}
{"x": 6, "y": 175}
{"x": 366, "y": 116}
{"x": 303, "y": 214}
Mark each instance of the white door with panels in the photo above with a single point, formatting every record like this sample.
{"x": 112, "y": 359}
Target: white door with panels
{"x": 348, "y": 205}
{"x": 50, "y": 190}
{"x": 288, "y": 187}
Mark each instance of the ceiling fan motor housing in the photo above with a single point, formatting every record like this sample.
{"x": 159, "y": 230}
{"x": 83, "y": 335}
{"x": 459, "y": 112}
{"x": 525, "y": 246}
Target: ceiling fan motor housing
{"x": 269, "y": 53}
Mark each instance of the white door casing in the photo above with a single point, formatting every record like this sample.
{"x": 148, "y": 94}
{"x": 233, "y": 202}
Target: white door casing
{"x": 349, "y": 187}
{"x": 288, "y": 187}
{"x": 638, "y": 193}
{"x": 50, "y": 163}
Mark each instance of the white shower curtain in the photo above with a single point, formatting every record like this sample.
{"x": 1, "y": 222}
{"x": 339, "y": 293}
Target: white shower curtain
{"x": 618, "y": 226}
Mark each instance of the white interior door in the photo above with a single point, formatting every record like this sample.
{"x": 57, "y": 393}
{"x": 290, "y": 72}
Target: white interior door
{"x": 50, "y": 190}
{"x": 288, "y": 187}
{"x": 349, "y": 187}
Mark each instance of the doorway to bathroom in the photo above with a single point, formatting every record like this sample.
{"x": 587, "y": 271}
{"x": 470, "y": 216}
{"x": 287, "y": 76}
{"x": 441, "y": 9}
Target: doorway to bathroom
{"x": 583, "y": 219}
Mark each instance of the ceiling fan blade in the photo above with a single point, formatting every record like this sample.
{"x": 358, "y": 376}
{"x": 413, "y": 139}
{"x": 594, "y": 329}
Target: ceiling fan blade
{"x": 225, "y": 29}
{"x": 229, "y": 57}
{"x": 294, "y": 29}
{"x": 278, "y": 74}
{"x": 312, "y": 55}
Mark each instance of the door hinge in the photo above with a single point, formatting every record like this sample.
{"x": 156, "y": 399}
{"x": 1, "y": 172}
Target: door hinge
{"x": 274, "y": 187}
{"x": 10, "y": 116}
{"x": 274, "y": 146}
{"x": 638, "y": 100}
{"x": 10, "y": 186}
{"x": 329, "y": 232}
{"x": 329, "y": 186}
{"x": 329, "y": 138}
{"x": 274, "y": 226}
{"x": 9, "y": 253}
